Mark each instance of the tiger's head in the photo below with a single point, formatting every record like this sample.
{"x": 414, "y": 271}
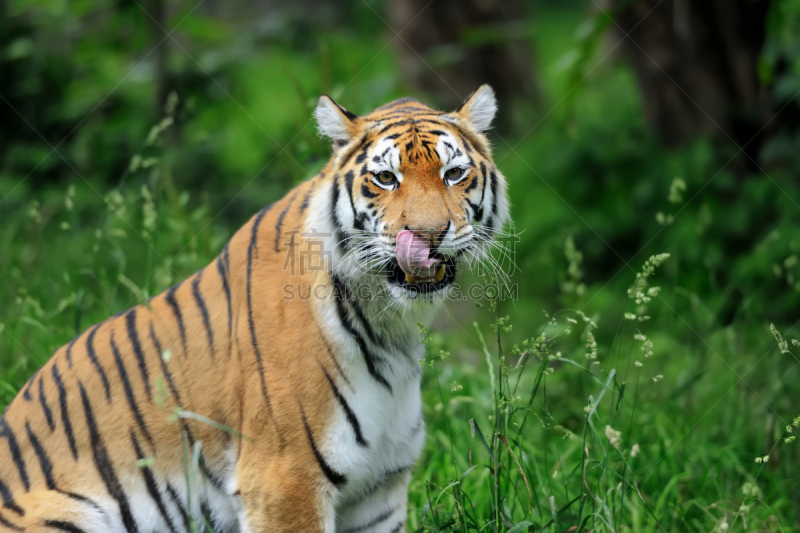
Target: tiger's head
{"x": 409, "y": 192}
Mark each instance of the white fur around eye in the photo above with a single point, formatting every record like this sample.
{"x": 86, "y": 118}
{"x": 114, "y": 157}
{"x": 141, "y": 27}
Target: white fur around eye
{"x": 388, "y": 155}
{"x": 452, "y": 155}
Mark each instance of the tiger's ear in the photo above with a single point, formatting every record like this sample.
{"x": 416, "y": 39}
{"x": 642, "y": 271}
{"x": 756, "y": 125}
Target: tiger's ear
{"x": 479, "y": 109}
{"x": 335, "y": 122}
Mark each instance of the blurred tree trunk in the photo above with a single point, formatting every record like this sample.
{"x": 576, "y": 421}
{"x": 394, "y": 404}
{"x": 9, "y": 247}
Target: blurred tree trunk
{"x": 449, "y": 48}
{"x": 157, "y": 23}
{"x": 697, "y": 65}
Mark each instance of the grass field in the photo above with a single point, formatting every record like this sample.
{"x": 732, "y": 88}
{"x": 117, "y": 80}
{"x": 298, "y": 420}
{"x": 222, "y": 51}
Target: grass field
{"x": 610, "y": 395}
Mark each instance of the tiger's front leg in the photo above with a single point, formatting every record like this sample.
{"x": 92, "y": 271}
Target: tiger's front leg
{"x": 282, "y": 498}
{"x": 283, "y": 480}
{"x": 284, "y": 495}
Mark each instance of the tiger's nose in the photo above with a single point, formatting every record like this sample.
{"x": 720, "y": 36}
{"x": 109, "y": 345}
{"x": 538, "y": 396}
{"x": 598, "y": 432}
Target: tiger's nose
{"x": 434, "y": 236}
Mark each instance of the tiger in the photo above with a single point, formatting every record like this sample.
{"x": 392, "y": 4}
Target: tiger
{"x": 265, "y": 393}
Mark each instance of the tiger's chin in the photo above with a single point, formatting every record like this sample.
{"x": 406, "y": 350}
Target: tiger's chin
{"x": 433, "y": 288}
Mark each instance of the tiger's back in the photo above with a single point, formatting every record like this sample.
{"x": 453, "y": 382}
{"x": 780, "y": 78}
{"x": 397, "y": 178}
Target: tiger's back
{"x": 111, "y": 396}
{"x": 237, "y": 399}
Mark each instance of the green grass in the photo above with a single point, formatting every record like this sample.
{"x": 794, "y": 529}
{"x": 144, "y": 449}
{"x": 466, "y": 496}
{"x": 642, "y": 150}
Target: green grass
{"x": 586, "y": 186}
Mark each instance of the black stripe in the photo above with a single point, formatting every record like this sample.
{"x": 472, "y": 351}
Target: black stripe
{"x": 201, "y": 304}
{"x": 223, "y": 274}
{"x": 399, "y": 527}
{"x": 344, "y": 289}
{"x": 366, "y": 324}
{"x": 383, "y": 517}
{"x": 333, "y": 476}
{"x": 62, "y": 403}
{"x": 252, "y": 250}
{"x": 176, "y": 310}
{"x": 16, "y": 456}
{"x": 493, "y": 183}
{"x": 48, "y": 414}
{"x": 472, "y": 183}
{"x": 8, "y": 499}
{"x": 306, "y": 200}
{"x": 152, "y": 486}
{"x": 44, "y": 460}
{"x": 351, "y": 416}
{"x": 421, "y": 120}
{"x": 493, "y": 187}
{"x": 80, "y": 498}
{"x": 348, "y": 182}
{"x": 372, "y": 489}
{"x": 177, "y": 501}
{"x": 366, "y": 192}
{"x": 418, "y": 116}
{"x": 206, "y": 513}
{"x": 395, "y": 125}
{"x": 368, "y": 357}
{"x": 478, "y": 215}
{"x": 210, "y": 522}
{"x": 164, "y": 368}
{"x": 345, "y": 112}
{"x": 62, "y": 525}
{"x": 170, "y": 380}
{"x": 93, "y": 357}
{"x": 126, "y": 385}
{"x": 9, "y": 525}
{"x": 477, "y": 211}
{"x": 358, "y": 218}
{"x": 133, "y": 337}
{"x": 69, "y": 351}
{"x": 338, "y": 232}
{"x": 27, "y": 392}
{"x": 442, "y": 235}
{"x": 214, "y": 480}
{"x": 471, "y": 141}
{"x": 279, "y": 222}
{"x": 104, "y": 466}
{"x": 464, "y": 142}
{"x": 337, "y": 365}
{"x": 347, "y": 157}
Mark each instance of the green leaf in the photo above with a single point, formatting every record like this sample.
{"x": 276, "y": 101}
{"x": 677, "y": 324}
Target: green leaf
{"x": 33, "y": 322}
{"x": 520, "y": 526}
{"x": 519, "y": 467}
{"x": 474, "y": 428}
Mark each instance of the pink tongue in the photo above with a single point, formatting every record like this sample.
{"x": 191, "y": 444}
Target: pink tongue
{"x": 413, "y": 255}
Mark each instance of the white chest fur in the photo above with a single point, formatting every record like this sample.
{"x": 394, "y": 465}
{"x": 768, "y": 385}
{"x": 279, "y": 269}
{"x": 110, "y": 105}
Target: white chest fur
{"x": 388, "y": 416}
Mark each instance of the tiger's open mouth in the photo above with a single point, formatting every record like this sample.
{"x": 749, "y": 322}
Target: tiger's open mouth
{"x": 418, "y": 268}
{"x": 443, "y": 275}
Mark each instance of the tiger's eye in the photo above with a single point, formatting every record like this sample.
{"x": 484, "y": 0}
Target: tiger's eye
{"x": 386, "y": 176}
{"x": 454, "y": 173}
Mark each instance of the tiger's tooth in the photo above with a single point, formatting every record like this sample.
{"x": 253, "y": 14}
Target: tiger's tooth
{"x": 439, "y": 276}
{"x": 410, "y": 278}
